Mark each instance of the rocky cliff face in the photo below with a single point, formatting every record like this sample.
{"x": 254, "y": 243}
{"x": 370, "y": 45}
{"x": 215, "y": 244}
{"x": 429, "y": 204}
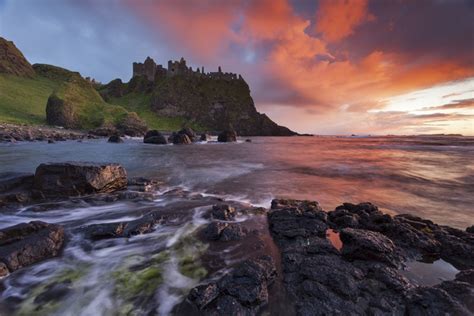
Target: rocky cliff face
{"x": 216, "y": 100}
{"x": 12, "y": 60}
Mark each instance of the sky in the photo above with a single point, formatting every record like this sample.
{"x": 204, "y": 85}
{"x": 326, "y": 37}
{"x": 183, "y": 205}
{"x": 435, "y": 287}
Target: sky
{"x": 324, "y": 67}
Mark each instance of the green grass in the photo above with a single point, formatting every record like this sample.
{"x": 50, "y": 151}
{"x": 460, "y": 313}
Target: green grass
{"x": 140, "y": 103}
{"x": 23, "y": 100}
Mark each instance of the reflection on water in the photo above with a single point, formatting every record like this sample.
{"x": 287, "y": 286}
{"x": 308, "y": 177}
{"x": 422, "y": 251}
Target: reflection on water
{"x": 334, "y": 239}
{"x": 430, "y": 177}
{"x": 429, "y": 273}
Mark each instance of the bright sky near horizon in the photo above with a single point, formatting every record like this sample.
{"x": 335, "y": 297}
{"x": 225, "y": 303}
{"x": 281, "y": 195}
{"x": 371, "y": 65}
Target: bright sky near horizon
{"x": 326, "y": 67}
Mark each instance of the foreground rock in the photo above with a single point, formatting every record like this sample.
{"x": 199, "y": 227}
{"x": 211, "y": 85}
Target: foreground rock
{"x": 27, "y": 243}
{"x": 154, "y": 137}
{"x": 15, "y": 187}
{"x": 139, "y": 226}
{"x": 244, "y": 291}
{"x": 365, "y": 277}
{"x": 78, "y": 178}
{"x": 227, "y": 136}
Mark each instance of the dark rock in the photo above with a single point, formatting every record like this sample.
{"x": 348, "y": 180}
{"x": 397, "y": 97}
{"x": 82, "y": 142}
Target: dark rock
{"x": 181, "y": 139}
{"x": 223, "y": 212}
{"x": 367, "y": 245}
{"x": 15, "y": 187}
{"x": 213, "y": 230}
{"x": 53, "y": 292}
{"x": 154, "y": 137}
{"x": 244, "y": 291}
{"x": 248, "y": 140}
{"x": 115, "y": 139}
{"x": 470, "y": 229}
{"x": 205, "y": 137}
{"x": 227, "y": 136}
{"x": 204, "y": 294}
{"x": 433, "y": 301}
{"x": 78, "y": 178}
{"x": 188, "y": 132}
{"x": 466, "y": 276}
{"x": 27, "y": 243}
{"x": 3, "y": 270}
{"x": 60, "y": 112}
{"x": 143, "y": 225}
{"x": 50, "y": 141}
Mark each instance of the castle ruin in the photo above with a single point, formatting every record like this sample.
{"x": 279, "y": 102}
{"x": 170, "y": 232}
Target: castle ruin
{"x": 152, "y": 71}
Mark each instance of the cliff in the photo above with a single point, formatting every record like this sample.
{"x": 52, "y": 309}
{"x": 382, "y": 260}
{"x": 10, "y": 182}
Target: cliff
{"x": 213, "y": 101}
{"x": 12, "y": 60}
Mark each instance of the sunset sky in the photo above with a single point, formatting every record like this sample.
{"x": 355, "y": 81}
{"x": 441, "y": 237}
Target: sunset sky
{"x": 326, "y": 67}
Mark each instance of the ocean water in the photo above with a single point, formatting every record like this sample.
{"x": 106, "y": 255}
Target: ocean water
{"x": 432, "y": 177}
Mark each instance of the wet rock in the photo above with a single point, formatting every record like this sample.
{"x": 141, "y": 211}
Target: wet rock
{"x": 244, "y": 291}
{"x": 3, "y": 270}
{"x": 291, "y": 219}
{"x": 180, "y": 139}
{"x": 78, "y": 178}
{"x": 232, "y": 232}
{"x": 115, "y": 139}
{"x": 223, "y": 212}
{"x": 139, "y": 226}
{"x": 50, "y": 141}
{"x": 466, "y": 276}
{"x": 433, "y": 301}
{"x": 470, "y": 229}
{"x": 27, "y": 243}
{"x": 188, "y": 132}
{"x": 104, "y": 131}
{"x": 154, "y": 137}
{"x": 227, "y": 136}
{"x": 204, "y": 294}
{"x": 53, "y": 292}
{"x": 359, "y": 244}
{"x": 143, "y": 184}
{"x": 213, "y": 230}
{"x": 15, "y": 187}
{"x": 205, "y": 137}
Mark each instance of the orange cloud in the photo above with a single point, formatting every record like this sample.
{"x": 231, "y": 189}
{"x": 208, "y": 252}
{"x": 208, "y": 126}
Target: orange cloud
{"x": 337, "y": 19}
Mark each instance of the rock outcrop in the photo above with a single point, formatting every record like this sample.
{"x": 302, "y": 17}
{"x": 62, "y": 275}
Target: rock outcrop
{"x": 78, "y": 178}
{"x": 60, "y": 112}
{"x": 154, "y": 137}
{"x": 132, "y": 125}
{"x": 12, "y": 60}
{"x": 365, "y": 277}
{"x": 227, "y": 136}
{"x": 27, "y": 243}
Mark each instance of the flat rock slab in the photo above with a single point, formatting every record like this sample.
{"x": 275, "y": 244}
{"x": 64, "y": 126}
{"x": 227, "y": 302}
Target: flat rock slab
{"x": 27, "y": 243}
{"x": 78, "y": 178}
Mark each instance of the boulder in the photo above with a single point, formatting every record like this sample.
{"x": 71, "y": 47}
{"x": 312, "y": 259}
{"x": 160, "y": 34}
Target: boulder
{"x": 59, "y": 112}
{"x": 470, "y": 229}
{"x": 154, "y": 137}
{"x": 27, "y": 243}
{"x": 180, "y": 139}
{"x": 78, "y": 178}
{"x": 227, "y": 136}
{"x": 115, "y": 139}
{"x": 188, "y": 132}
{"x": 132, "y": 125}
{"x": 223, "y": 212}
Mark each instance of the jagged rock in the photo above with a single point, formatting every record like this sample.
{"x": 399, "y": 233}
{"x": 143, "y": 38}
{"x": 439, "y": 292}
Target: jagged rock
{"x": 15, "y": 187}
{"x": 224, "y": 231}
{"x": 59, "y": 112}
{"x": 143, "y": 225}
{"x": 154, "y": 137}
{"x": 223, "y": 212}
{"x": 78, "y": 178}
{"x": 227, "y": 136}
{"x": 367, "y": 245}
{"x": 27, "y": 243}
{"x": 244, "y": 291}
{"x": 115, "y": 139}
{"x": 3, "y": 270}
{"x": 132, "y": 125}
{"x": 205, "y": 137}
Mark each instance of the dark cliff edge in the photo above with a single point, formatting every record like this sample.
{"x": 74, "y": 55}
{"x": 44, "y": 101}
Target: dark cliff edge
{"x": 214, "y": 101}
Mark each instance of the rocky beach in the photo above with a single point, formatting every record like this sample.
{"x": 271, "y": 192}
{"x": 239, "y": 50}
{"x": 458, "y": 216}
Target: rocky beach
{"x": 76, "y": 235}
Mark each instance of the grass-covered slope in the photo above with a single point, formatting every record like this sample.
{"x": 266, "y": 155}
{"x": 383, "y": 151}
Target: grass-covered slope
{"x": 23, "y": 100}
